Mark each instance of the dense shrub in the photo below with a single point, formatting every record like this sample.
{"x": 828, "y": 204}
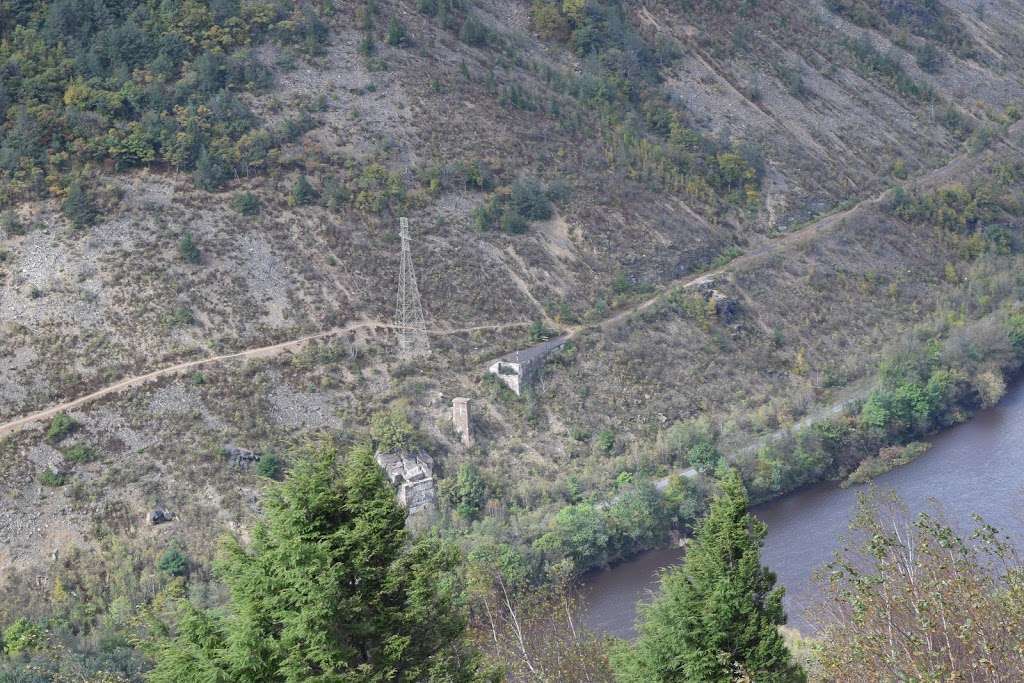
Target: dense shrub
{"x": 80, "y": 453}
{"x": 211, "y": 171}
{"x": 512, "y": 210}
{"x": 136, "y": 83}
{"x": 592, "y": 536}
{"x": 473, "y": 32}
{"x": 391, "y": 430}
{"x": 52, "y": 479}
{"x": 302, "y": 193}
{"x": 929, "y": 20}
{"x": 270, "y": 466}
{"x": 888, "y": 67}
{"x": 246, "y": 204}
{"x": 397, "y": 36}
{"x": 887, "y": 459}
{"x": 22, "y": 636}
{"x": 467, "y": 493}
{"x": 78, "y": 205}
{"x": 527, "y": 198}
{"x": 173, "y": 562}
{"x": 604, "y": 442}
{"x": 188, "y": 250}
{"x": 61, "y": 426}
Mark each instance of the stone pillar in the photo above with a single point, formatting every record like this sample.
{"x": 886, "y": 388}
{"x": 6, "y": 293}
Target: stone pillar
{"x": 460, "y": 416}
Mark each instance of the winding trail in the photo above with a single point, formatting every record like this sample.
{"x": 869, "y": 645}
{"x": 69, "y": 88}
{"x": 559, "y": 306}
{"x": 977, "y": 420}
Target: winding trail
{"x": 951, "y": 170}
{"x": 23, "y": 422}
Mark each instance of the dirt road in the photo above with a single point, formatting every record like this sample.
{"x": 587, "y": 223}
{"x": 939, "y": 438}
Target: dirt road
{"x": 260, "y": 352}
{"x": 950, "y": 171}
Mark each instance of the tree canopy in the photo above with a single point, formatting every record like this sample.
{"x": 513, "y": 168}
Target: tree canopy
{"x": 718, "y": 613}
{"x": 917, "y": 600}
{"x": 329, "y": 589}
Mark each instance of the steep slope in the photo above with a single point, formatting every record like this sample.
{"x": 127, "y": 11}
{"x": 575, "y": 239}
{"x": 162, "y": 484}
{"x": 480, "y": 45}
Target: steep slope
{"x": 600, "y": 173}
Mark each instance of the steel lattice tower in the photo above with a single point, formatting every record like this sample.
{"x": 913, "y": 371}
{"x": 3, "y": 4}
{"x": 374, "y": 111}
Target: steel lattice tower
{"x": 411, "y": 324}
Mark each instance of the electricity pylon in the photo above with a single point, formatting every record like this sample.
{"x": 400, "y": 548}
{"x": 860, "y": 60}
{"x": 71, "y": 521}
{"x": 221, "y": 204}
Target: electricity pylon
{"x": 412, "y": 327}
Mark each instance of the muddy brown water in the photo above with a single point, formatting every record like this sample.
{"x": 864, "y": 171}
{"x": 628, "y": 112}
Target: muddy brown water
{"x": 976, "y": 467}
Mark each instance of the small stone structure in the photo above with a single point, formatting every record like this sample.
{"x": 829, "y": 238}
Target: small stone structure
{"x": 726, "y": 308}
{"x": 159, "y": 516}
{"x": 519, "y": 368}
{"x": 460, "y": 418}
{"x": 240, "y": 457}
{"x": 412, "y": 473}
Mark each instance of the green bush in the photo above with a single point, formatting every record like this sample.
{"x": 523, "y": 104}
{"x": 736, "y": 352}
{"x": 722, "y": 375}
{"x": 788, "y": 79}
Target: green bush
{"x": 887, "y": 459}
{"x": 52, "y": 479}
{"x": 513, "y": 223}
{"x": 78, "y": 205}
{"x": 181, "y": 316}
{"x": 529, "y": 201}
{"x": 335, "y": 194}
{"x": 605, "y": 441}
{"x": 80, "y": 453}
{"x": 468, "y": 492}
{"x": 188, "y": 250}
{"x": 211, "y": 172}
{"x": 512, "y": 211}
{"x": 397, "y": 36}
{"x": 22, "y": 636}
{"x": 270, "y": 466}
{"x": 474, "y": 33}
{"x": 302, "y": 193}
{"x": 61, "y": 426}
{"x": 10, "y": 225}
{"x": 246, "y": 204}
{"x": 391, "y": 430}
{"x": 173, "y": 562}
{"x": 703, "y": 456}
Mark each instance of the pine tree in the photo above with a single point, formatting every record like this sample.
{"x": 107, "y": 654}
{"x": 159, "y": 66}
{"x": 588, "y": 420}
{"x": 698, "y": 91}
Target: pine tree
{"x": 717, "y": 615}
{"x": 78, "y": 205}
{"x": 328, "y": 590}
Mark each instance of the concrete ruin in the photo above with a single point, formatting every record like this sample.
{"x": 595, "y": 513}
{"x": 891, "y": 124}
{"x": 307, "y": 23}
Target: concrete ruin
{"x": 241, "y": 458}
{"x": 412, "y": 474}
{"x": 726, "y": 308}
{"x": 519, "y": 368}
{"x": 460, "y": 418}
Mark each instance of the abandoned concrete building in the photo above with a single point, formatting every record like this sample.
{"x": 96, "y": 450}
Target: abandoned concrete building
{"x": 519, "y": 368}
{"x": 412, "y": 473}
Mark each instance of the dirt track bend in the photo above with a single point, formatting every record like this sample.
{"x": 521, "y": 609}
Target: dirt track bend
{"x": 948, "y": 172}
{"x": 944, "y": 173}
{"x": 260, "y": 352}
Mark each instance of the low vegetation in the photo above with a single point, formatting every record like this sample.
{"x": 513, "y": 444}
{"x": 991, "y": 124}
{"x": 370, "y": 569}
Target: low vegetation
{"x": 880, "y": 625}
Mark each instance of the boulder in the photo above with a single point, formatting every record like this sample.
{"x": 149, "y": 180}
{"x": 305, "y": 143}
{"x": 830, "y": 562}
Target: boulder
{"x": 159, "y": 516}
{"x": 240, "y": 457}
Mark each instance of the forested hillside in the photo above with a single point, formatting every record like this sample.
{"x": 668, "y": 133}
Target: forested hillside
{"x": 784, "y": 236}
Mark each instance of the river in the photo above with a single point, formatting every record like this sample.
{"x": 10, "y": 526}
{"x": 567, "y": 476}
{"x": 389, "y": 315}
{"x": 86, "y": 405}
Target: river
{"x": 972, "y": 468}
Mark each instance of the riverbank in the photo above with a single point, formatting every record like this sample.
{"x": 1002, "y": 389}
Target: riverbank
{"x": 974, "y": 467}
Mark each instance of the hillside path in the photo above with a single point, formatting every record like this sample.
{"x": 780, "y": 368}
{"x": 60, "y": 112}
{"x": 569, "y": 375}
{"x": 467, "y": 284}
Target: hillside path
{"x": 261, "y": 352}
{"x": 770, "y": 248}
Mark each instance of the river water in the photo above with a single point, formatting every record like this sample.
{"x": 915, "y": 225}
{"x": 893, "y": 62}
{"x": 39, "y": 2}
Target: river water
{"x": 976, "y": 467}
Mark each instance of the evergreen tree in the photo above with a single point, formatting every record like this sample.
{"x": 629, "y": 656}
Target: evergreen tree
{"x": 717, "y": 616}
{"x": 302, "y": 192}
{"x": 328, "y": 590}
{"x": 469, "y": 491}
{"x": 78, "y": 205}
